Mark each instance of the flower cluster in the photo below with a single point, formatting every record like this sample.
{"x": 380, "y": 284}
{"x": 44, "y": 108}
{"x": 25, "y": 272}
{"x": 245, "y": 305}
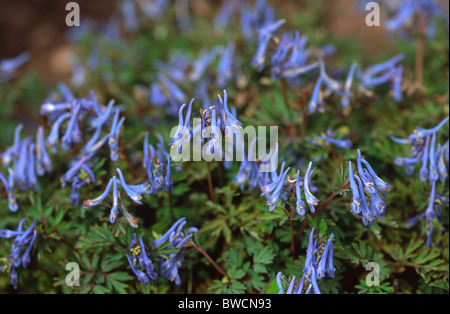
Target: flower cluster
{"x": 215, "y": 121}
{"x": 157, "y": 163}
{"x": 292, "y": 59}
{"x": 434, "y": 161}
{"x": 251, "y": 18}
{"x": 134, "y": 192}
{"x": 318, "y": 265}
{"x": 169, "y": 263}
{"x": 21, "y": 249}
{"x": 367, "y": 181}
{"x": 136, "y": 253}
{"x": 389, "y": 71}
{"x": 76, "y": 112}
{"x": 275, "y": 185}
{"x": 273, "y": 189}
{"x": 28, "y": 159}
{"x": 434, "y": 166}
{"x": 249, "y": 170}
{"x": 409, "y": 14}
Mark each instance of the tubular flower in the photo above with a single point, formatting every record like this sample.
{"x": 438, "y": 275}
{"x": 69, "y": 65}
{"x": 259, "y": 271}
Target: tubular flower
{"x": 300, "y": 205}
{"x": 318, "y": 266}
{"x": 20, "y": 251}
{"x": 329, "y": 138}
{"x": 170, "y": 264}
{"x": 9, "y": 66}
{"x": 114, "y": 136}
{"x": 158, "y": 165}
{"x": 434, "y": 165}
{"x": 356, "y": 204}
{"x": 272, "y": 190}
{"x": 265, "y": 33}
{"x": 183, "y": 132}
{"x": 225, "y": 70}
{"x": 133, "y": 191}
{"x": 367, "y": 181}
{"x": 43, "y": 161}
{"x": 310, "y": 199}
{"x": 137, "y": 253}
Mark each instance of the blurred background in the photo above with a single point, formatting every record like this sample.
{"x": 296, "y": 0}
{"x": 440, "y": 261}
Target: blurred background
{"x": 38, "y": 26}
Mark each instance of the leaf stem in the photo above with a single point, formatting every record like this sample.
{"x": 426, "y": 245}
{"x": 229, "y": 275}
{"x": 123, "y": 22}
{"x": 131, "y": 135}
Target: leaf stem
{"x": 201, "y": 251}
{"x": 210, "y": 185}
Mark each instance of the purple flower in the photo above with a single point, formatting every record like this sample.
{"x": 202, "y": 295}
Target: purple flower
{"x": 265, "y": 33}
{"x": 114, "y": 136}
{"x": 272, "y": 190}
{"x": 225, "y": 68}
{"x": 8, "y": 66}
{"x": 300, "y": 205}
{"x": 24, "y": 241}
{"x": 170, "y": 264}
{"x": 310, "y": 199}
{"x": 356, "y": 204}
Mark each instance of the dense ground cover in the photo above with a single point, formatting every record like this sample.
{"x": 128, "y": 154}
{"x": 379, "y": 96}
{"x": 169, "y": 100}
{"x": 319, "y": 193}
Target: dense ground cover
{"x": 336, "y": 103}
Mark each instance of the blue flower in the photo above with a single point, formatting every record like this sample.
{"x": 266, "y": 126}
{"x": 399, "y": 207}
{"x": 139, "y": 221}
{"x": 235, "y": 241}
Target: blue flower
{"x": 367, "y": 180}
{"x": 23, "y": 240}
{"x": 367, "y": 216}
{"x": 226, "y": 115}
{"x": 98, "y": 200}
{"x": 69, "y": 137}
{"x": 73, "y": 171}
{"x": 200, "y": 65}
{"x": 43, "y": 161}
{"x": 442, "y": 162}
{"x": 397, "y": 84}
{"x": 430, "y": 214}
{"x": 183, "y": 132}
{"x": 53, "y": 137}
{"x": 8, "y": 66}
{"x": 310, "y": 199}
{"x": 170, "y": 264}
{"x": 345, "y": 99}
{"x": 173, "y": 90}
{"x": 143, "y": 278}
{"x": 265, "y": 33}
{"x": 347, "y": 144}
{"x": 114, "y": 136}
{"x": 434, "y": 175}
{"x": 9, "y": 186}
{"x": 317, "y": 100}
{"x": 318, "y": 265}
{"x": 356, "y": 204}
{"x": 421, "y": 132}
{"x": 300, "y": 205}
{"x": 103, "y": 116}
{"x": 423, "y": 174}
{"x": 14, "y": 151}
{"x": 30, "y": 169}
{"x": 114, "y": 210}
{"x": 225, "y": 68}
{"x": 272, "y": 190}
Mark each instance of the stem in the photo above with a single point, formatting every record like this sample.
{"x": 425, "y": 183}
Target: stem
{"x": 172, "y": 215}
{"x": 210, "y": 185}
{"x": 332, "y": 197}
{"x": 303, "y": 120}
{"x": 219, "y": 170}
{"x": 284, "y": 90}
{"x": 292, "y": 248}
{"x": 219, "y": 269}
{"x": 420, "y": 51}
